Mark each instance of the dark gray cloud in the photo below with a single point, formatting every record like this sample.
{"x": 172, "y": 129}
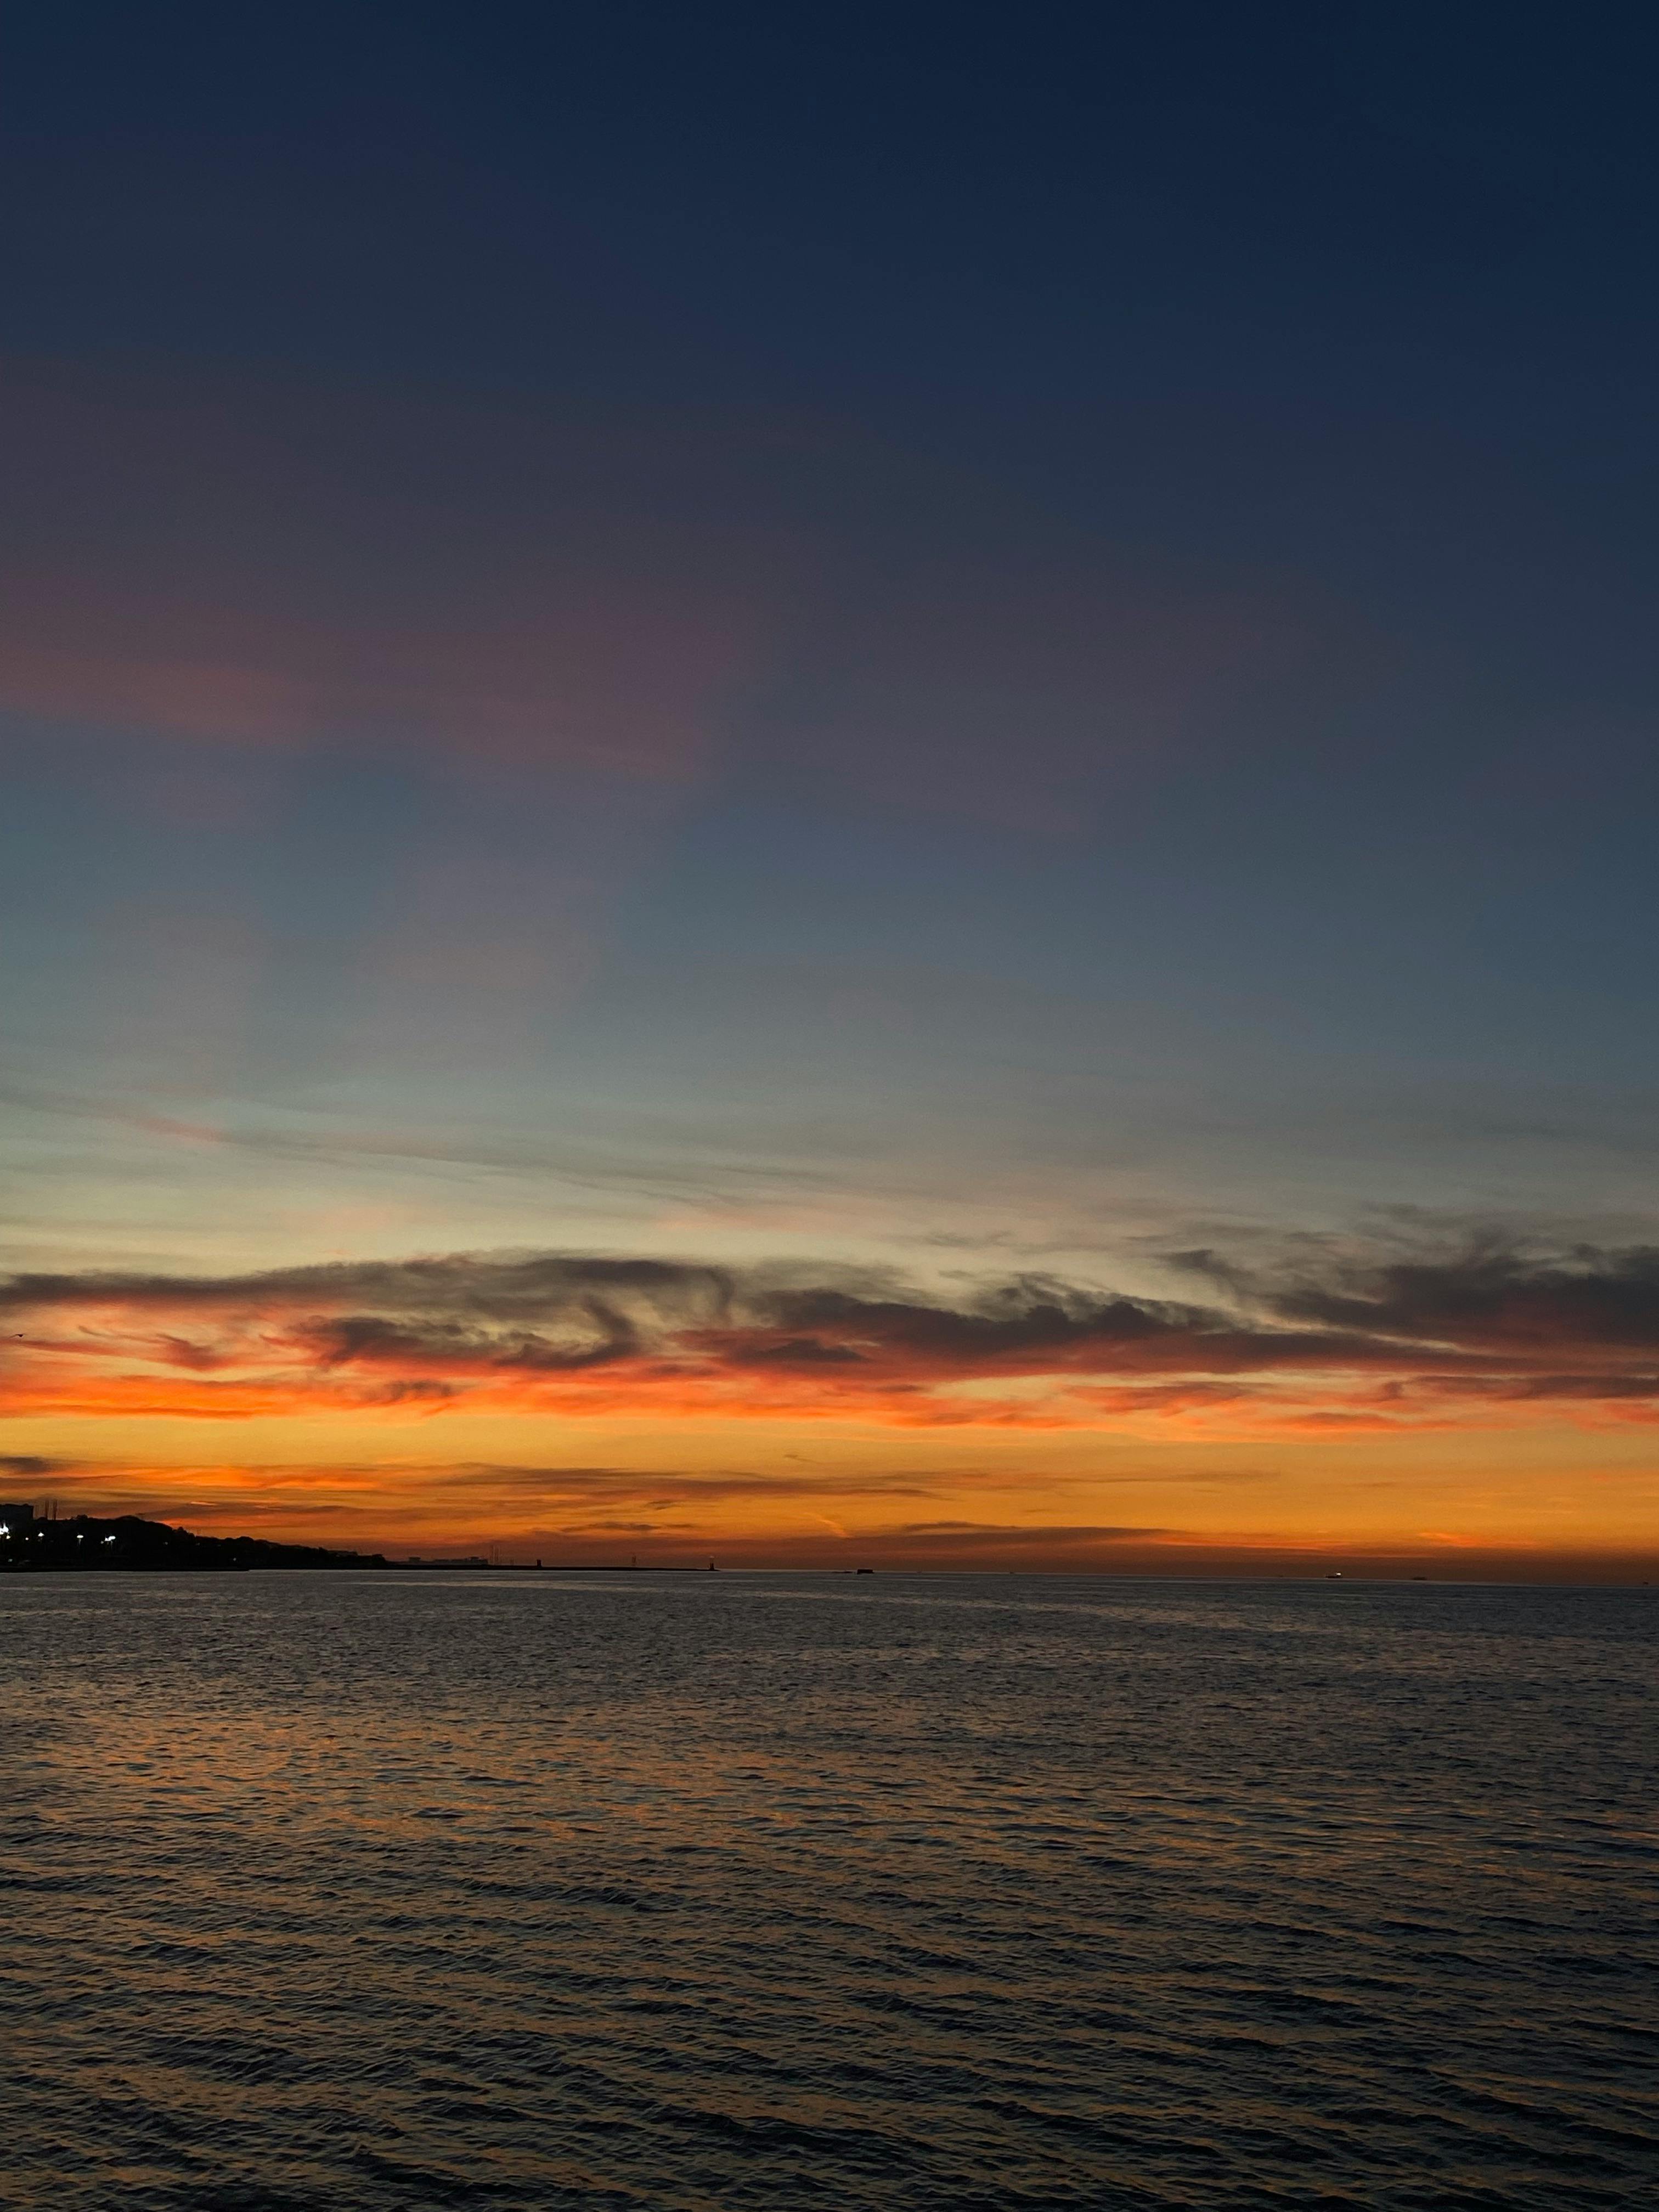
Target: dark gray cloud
{"x": 1493, "y": 1300}
{"x": 1580, "y": 1324}
{"x": 550, "y": 1313}
{"x": 490, "y": 1285}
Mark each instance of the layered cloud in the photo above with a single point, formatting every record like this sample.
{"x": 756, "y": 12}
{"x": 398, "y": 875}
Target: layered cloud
{"x": 1484, "y": 1335}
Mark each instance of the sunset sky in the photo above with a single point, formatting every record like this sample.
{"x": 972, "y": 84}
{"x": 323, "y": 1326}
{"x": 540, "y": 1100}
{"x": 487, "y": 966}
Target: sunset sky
{"x": 833, "y": 786}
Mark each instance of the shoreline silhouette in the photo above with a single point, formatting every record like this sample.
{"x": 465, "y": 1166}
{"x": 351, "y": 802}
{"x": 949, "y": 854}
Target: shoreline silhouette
{"x": 31, "y": 1544}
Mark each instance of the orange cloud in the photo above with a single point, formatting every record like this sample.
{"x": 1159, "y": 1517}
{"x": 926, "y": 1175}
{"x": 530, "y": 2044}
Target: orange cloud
{"x": 1490, "y": 1342}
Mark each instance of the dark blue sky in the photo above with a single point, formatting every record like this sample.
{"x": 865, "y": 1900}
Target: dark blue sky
{"x": 846, "y": 625}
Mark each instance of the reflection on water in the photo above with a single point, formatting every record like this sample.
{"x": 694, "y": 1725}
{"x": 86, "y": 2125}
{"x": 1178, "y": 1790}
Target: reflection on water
{"x": 399, "y": 1891}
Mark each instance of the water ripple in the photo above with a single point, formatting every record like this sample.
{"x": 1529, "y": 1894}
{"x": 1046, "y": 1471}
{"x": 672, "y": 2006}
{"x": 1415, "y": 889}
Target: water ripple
{"x": 399, "y": 1891}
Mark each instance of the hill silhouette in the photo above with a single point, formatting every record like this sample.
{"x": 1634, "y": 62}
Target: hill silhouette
{"x": 88, "y": 1546}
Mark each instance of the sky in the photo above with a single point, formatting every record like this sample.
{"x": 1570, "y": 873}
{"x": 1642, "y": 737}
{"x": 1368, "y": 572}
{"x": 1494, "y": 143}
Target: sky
{"x": 833, "y": 786}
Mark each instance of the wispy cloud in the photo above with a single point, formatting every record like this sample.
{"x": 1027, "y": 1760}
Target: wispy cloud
{"x": 264, "y": 565}
{"x": 1462, "y": 1336}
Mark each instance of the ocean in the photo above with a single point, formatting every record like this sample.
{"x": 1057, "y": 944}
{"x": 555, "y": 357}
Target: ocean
{"x": 720, "y": 1890}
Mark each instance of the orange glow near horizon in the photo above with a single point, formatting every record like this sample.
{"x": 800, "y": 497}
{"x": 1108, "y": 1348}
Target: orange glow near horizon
{"x": 603, "y": 1409}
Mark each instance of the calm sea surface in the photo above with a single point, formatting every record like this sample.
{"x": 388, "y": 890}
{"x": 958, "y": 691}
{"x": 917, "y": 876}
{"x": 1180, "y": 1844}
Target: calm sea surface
{"x": 746, "y": 1890}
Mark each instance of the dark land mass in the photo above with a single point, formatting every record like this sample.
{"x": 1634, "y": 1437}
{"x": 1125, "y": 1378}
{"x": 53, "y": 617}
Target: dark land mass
{"x": 85, "y": 1545}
